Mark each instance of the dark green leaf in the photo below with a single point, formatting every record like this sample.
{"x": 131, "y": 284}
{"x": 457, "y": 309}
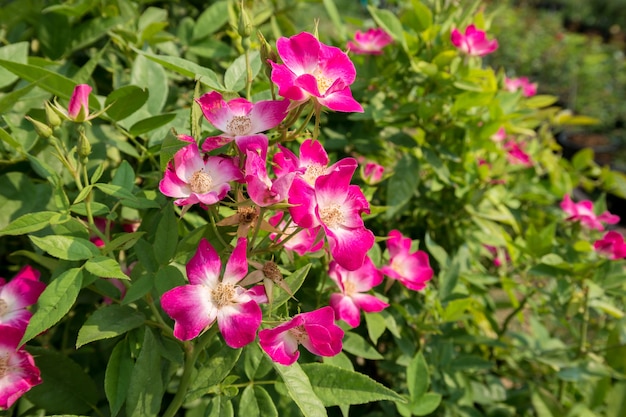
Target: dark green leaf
{"x": 166, "y": 237}
{"x": 358, "y": 346}
{"x": 403, "y": 184}
{"x": 66, "y": 388}
{"x": 124, "y": 176}
{"x": 66, "y": 247}
{"x": 145, "y": 390}
{"x": 256, "y": 402}
{"x": 125, "y": 101}
{"x": 220, "y": 406}
{"x": 54, "y": 303}
{"x": 417, "y": 376}
{"x": 211, "y": 20}
{"x": 108, "y": 322}
{"x": 16, "y": 52}
{"x": 426, "y": 404}
{"x": 337, "y": 386}
{"x": 294, "y": 281}
{"x": 236, "y": 75}
{"x": 117, "y": 376}
{"x": 48, "y": 80}
{"x": 214, "y": 370}
{"x": 151, "y": 123}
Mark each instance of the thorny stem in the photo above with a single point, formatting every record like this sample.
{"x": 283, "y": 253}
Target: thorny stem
{"x": 191, "y": 356}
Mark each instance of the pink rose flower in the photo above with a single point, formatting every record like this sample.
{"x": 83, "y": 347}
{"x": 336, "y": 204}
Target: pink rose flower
{"x": 474, "y": 42}
{"x": 296, "y": 239}
{"x": 315, "y": 330}
{"x": 18, "y": 373}
{"x": 411, "y": 269}
{"x": 516, "y": 155}
{"x": 206, "y": 299}
{"x": 372, "y": 173}
{"x": 513, "y": 84}
{"x": 354, "y": 285}
{"x": 78, "y": 108}
{"x": 22, "y": 291}
{"x": 584, "y": 213}
{"x": 312, "y": 69}
{"x": 611, "y": 244}
{"x": 371, "y": 42}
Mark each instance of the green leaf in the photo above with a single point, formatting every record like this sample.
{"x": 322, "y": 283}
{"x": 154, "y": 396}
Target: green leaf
{"x": 540, "y": 101}
{"x": 166, "y": 237}
{"x": 211, "y": 20}
{"x": 389, "y": 22}
{"x": 403, "y": 184}
{"x": 256, "y": 402}
{"x": 117, "y": 376}
{"x": 17, "y": 52}
{"x": 300, "y": 390}
{"x": 426, "y": 404}
{"x": 66, "y": 388}
{"x": 337, "y": 386}
{"x": 376, "y": 326}
{"x": 29, "y": 223}
{"x": 423, "y": 15}
{"x": 116, "y": 191}
{"x": 149, "y": 74}
{"x": 294, "y": 281}
{"x": 125, "y": 101}
{"x": 54, "y": 303}
{"x": 358, "y": 346}
{"x": 151, "y": 123}
{"x": 48, "y": 80}
{"x": 436, "y": 251}
{"x": 220, "y": 406}
{"x": 66, "y": 247}
{"x": 448, "y": 277}
{"x": 122, "y": 242}
{"x": 171, "y": 144}
{"x": 108, "y": 322}
{"x": 168, "y": 277}
{"x": 221, "y": 361}
{"x": 9, "y": 140}
{"x": 236, "y": 76}
{"x": 335, "y": 17}
{"x": 187, "y": 68}
{"x": 8, "y": 100}
{"x": 105, "y": 267}
{"x": 145, "y": 390}
{"x": 124, "y": 176}
{"x": 417, "y": 376}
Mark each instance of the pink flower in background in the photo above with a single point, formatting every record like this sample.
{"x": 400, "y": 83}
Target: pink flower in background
{"x": 371, "y": 42}
{"x": 513, "y": 84}
{"x": 499, "y": 136}
{"x": 239, "y": 118}
{"x": 411, "y": 269}
{"x": 336, "y": 206}
{"x": 516, "y": 155}
{"x": 611, "y": 244}
{"x": 206, "y": 299}
{"x": 18, "y": 373}
{"x": 372, "y": 173}
{"x": 497, "y": 257}
{"x": 583, "y": 212}
{"x": 312, "y": 163}
{"x": 22, "y": 291}
{"x": 474, "y": 42}
{"x": 302, "y": 241}
{"x": 193, "y": 179}
{"x": 315, "y": 330}
{"x": 353, "y": 285}
{"x": 312, "y": 69}
{"x": 78, "y": 108}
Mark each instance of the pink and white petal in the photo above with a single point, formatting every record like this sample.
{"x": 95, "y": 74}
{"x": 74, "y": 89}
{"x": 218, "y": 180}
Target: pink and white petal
{"x": 366, "y": 277}
{"x": 27, "y": 272}
{"x": 369, "y": 303}
{"x": 285, "y": 80}
{"x": 342, "y": 101}
{"x": 215, "y": 142}
{"x": 349, "y": 246}
{"x": 345, "y": 309}
{"x": 192, "y": 199}
{"x": 456, "y": 37}
{"x": 308, "y": 83}
{"x": 205, "y": 265}
{"x": 188, "y": 161}
{"x": 285, "y": 161}
{"x": 78, "y": 100}
{"x": 216, "y": 110}
{"x": 222, "y": 170}
{"x": 258, "y": 294}
{"x": 302, "y": 197}
{"x": 300, "y": 53}
{"x": 15, "y": 317}
{"x": 24, "y": 288}
{"x": 237, "y": 265}
{"x": 312, "y": 152}
{"x": 240, "y": 106}
{"x": 280, "y": 345}
{"x": 254, "y": 143}
{"x": 211, "y": 197}
{"x": 268, "y": 114}
{"x": 239, "y": 323}
{"x": 172, "y": 186}
{"x": 337, "y": 64}
{"x": 191, "y": 309}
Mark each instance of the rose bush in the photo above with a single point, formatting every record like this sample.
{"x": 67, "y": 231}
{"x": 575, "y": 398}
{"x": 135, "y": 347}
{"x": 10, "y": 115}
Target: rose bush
{"x": 191, "y": 194}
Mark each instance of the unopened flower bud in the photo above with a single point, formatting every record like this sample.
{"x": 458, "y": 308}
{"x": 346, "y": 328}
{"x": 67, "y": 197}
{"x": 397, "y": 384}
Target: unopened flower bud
{"x": 84, "y": 147}
{"x": 244, "y": 26}
{"x": 42, "y": 129}
{"x": 53, "y": 118}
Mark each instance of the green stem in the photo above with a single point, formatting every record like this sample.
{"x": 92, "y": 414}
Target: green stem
{"x": 212, "y": 215}
{"x": 191, "y": 356}
{"x": 582, "y": 347}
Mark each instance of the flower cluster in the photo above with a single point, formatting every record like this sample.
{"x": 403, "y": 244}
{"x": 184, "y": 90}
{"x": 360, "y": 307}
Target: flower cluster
{"x": 473, "y": 42}
{"x": 18, "y": 372}
{"x": 304, "y": 201}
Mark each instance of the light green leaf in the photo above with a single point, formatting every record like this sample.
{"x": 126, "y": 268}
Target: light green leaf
{"x": 402, "y": 184}
{"x": 426, "y": 404}
{"x": 8, "y": 101}
{"x": 54, "y": 303}
{"x": 236, "y": 76}
{"x": 105, "y": 267}
{"x": 335, "y": 17}
{"x": 358, "y": 346}
{"x": 337, "y": 386}
{"x": 540, "y": 101}
{"x": 166, "y": 237}
{"x": 256, "y": 402}
{"x": 108, "y": 322}
{"x": 417, "y": 376}
{"x": 294, "y": 281}
{"x": 300, "y": 390}
{"x": 211, "y": 20}
{"x": 214, "y": 370}
{"x": 124, "y": 176}
{"x": 66, "y": 247}
{"x": 389, "y": 22}
{"x": 16, "y": 52}
{"x": 9, "y": 140}
{"x": 29, "y": 223}
{"x": 48, "y": 80}
{"x": 376, "y": 325}
{"x": 149, "y": 74}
